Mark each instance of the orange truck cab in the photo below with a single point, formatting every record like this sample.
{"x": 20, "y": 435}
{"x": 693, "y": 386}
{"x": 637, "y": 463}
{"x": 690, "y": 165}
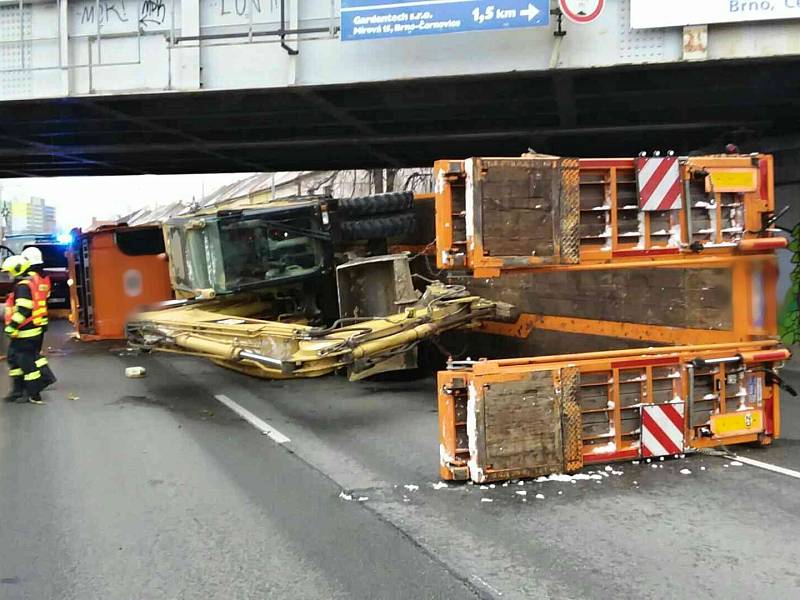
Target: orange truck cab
{"x": 114, "y": 270}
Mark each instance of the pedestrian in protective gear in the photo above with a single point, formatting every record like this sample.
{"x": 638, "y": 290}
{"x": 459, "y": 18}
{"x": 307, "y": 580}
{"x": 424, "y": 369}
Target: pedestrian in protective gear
{"x": 41, "y": 288}
{"x": 24, "y": 334}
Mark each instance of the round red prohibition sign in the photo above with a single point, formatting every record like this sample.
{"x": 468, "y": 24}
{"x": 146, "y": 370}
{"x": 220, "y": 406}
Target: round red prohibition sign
{"x": 581, "y": 11}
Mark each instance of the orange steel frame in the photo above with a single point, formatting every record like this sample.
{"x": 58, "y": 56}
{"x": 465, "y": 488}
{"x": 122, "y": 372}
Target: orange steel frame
{"x": 745, "y": 325}
{"x": 752, "y": 254}
{"x": 757, "y": 202}
{"x": 625, "y": 446}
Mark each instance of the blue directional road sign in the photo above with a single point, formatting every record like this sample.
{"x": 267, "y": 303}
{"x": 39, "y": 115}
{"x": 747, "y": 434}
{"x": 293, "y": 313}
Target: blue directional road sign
{"x": 372, "y": 19}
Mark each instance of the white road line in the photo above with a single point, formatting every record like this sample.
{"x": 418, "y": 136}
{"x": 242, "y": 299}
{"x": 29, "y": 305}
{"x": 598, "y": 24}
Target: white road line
{"x": 275, "y": 435}
{"x": 487, "y": 585}
{"x": 763, "y": 465}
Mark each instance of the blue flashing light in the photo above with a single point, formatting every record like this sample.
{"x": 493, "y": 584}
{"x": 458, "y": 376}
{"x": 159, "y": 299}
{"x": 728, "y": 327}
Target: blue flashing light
{"x": 64, "y": 238}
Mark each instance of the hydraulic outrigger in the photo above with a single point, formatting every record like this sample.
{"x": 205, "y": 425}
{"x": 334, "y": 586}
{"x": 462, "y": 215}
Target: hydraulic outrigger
{"x": 280, "y": 350}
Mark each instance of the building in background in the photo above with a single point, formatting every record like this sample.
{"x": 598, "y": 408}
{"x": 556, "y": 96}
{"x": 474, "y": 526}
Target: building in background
{"x": 32, "y": 215}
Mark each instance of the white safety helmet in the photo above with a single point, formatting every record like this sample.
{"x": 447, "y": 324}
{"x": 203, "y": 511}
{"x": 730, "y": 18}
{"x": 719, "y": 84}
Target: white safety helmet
{"x": 33, "y": 254}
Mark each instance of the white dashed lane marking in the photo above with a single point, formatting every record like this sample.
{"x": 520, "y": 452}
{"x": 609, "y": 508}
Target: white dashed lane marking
{"x": 275, "y": 435}
{"x": 766, "y": 466}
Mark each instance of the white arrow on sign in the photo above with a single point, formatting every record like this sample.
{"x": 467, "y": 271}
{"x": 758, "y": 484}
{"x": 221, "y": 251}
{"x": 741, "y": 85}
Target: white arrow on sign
{"x": 530, "y": 12}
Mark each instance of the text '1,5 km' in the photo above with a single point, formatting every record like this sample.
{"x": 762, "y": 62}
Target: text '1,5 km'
{"x": 369, "y": 19}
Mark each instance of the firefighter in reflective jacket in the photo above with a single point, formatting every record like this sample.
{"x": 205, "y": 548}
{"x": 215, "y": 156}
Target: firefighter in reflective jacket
{"x": 41, "y": 289}
{"x": 26, "y": 378}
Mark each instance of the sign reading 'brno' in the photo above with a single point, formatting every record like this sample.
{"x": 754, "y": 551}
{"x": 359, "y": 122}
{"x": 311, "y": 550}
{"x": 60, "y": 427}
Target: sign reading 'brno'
{"x": 648, "y": 14}
{"x": 371, "y": 19}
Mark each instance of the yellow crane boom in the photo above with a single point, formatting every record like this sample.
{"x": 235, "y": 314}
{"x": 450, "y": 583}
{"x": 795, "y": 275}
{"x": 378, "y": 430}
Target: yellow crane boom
{"x": 281, "y": 350}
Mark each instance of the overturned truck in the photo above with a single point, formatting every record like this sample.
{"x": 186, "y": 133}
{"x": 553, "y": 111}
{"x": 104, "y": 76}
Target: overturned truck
{"x": 628, "y": 305}
{"x": 274, "y": 291}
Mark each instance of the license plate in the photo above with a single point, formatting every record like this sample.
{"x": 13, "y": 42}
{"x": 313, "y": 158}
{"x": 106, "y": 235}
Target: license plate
{"x": 738, "y": 423}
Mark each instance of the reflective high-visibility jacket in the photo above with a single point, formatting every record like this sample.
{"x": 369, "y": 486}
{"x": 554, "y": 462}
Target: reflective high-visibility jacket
{"x": 19, "y": 311}
{"x": 41, "y": 292}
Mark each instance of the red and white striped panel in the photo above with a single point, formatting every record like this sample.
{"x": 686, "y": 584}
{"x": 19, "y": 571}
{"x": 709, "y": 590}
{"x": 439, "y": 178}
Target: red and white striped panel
{"x": 662, "y": 429}
{"x": 659, "y": 183}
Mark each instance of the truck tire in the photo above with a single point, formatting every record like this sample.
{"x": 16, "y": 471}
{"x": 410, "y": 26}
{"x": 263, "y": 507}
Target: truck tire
{"x": 376, "y": 228}
{"x": 364, "y": 206}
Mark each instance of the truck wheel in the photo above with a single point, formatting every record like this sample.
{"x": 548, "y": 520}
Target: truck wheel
{"x": 363, "y": 206}
{"x": 379, "y": 227}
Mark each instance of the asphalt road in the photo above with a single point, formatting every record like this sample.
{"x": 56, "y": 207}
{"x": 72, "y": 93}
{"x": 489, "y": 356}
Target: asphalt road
{"x": 151, "y": 488}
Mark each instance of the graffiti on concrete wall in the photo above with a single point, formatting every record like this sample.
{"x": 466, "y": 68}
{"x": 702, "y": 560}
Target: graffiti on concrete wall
{"x": 118, "y": 16}
{"x": 106, "y": 11}
{"x": 152, "y": 12}
{"x": 236, "y": 12}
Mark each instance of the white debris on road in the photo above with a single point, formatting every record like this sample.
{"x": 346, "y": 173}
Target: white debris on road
{"x": 702, "y": 468}
{"x": 411, "y": 487}
{"x": 135, "y": 372}
{"x": 521, "y": 493}
{"x": 634, "y": 462}
{"x": 486, "y": 500}
{"x": 685, "y": 472}
{"x": 584, "y": 476}
{"x": 349, "y": 497}
{"x": 609, "y": 468}
{"x": 540, "y": 496}
{"x": 439, "y": 485}
{"x": 736, "y": 463}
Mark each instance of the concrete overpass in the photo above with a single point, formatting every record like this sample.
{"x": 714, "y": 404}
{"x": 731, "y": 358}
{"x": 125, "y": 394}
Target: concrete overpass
{"x": 171, "y": 86}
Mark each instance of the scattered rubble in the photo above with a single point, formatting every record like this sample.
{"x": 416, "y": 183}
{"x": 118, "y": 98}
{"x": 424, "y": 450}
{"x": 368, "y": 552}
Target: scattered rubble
{"x": 135, "y": 372}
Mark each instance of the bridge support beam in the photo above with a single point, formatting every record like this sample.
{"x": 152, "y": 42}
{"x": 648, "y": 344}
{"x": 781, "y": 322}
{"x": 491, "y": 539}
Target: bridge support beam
{"x": 187, "y": 55}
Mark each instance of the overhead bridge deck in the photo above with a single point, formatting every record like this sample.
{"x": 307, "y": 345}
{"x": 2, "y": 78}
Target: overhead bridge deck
{"x": 604, "y": 112}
